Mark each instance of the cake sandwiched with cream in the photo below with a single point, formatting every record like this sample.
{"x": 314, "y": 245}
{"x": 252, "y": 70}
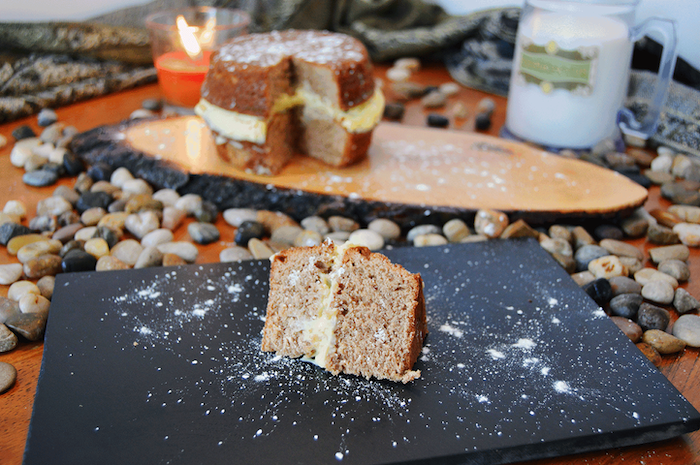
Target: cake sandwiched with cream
{"x": 347, "y": 310}
{"x": 267, "y": 96}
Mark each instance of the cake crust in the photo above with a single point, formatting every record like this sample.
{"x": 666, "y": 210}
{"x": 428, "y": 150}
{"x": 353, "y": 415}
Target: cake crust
{"x": 246, "y": 74}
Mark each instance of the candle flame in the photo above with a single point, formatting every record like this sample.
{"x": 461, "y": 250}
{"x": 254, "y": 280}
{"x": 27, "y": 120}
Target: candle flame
{"x": 189, "y": 41}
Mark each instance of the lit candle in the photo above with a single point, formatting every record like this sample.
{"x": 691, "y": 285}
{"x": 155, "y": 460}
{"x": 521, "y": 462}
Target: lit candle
{"x": 181, "y": 77}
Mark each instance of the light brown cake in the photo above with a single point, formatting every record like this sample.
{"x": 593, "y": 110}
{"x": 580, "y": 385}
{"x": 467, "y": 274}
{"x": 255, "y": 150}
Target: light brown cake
{"x": 346, "y": 309}
{"x": 267, "y": 96}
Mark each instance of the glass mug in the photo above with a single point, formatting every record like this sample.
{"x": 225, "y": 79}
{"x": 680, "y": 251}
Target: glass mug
{"x": 571, "y": 72}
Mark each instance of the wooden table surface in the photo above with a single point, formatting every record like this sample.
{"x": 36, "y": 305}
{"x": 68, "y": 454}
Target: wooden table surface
{"x": 683, "y": 369}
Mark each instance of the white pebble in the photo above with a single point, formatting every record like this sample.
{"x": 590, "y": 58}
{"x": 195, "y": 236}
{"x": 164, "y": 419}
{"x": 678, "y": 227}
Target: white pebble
{"x": 120, "y": 176}
{"x": 22, "y": 288}
{"x": 409, "y": 63}
{"x": 427, "y": 240}
{"x": 10, "y": 273}
{"x": 158, "y": 236}
{"x": 137, "y": 186}
{"x": 398, "y": 74}
{"x": 449, "y": 88}
{"x": 367, "y": 238}
{"x": 236, "y": 216}
{"x": 141, "y": 113}
{"x": 57, "y": 155}
{"x": 189, "y": 203}
{"x": 688, "y": 233}
{"x": 185, "y": 250}
{"x": 15, "y": 207}
{"x": 34, "y": 303}
{"x": 19, "y": 156}
{"x": 85, "y": 234}
{"x": 168, "y": 197}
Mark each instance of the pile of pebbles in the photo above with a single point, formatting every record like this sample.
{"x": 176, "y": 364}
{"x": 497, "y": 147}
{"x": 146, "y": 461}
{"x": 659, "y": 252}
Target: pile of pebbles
{"x": 432, "y": 98}
{"x": 110, "y": 220}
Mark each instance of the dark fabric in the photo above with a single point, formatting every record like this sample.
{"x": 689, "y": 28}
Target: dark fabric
{"x": 53, "y": 64}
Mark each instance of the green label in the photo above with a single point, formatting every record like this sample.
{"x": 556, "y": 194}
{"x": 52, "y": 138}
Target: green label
{"x": 552, "y": 68}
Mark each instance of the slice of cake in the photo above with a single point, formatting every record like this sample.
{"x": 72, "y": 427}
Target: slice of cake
{"x": 267, "y": 96}
{"x": 346, "y": 309}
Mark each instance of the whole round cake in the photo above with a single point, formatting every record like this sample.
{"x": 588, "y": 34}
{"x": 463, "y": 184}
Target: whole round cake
{"x": 267, "y": 96}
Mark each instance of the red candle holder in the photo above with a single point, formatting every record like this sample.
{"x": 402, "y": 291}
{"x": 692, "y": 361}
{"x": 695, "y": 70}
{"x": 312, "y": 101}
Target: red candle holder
{"x": 182, "y": 41}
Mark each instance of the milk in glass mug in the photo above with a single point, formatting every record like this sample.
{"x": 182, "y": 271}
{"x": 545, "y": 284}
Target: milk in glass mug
{"x": 571, "y": 71}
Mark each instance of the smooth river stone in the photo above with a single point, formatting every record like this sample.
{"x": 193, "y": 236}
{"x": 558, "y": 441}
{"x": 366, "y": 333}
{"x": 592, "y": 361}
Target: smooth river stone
{"x": 34, "y": 303}
{"x": 46, "y": 286}
{"x": 170, "y": 259}
{"x": 45, "y": 265}
{"x": 428, "y": 240}
{"x": 626, "y": 305}
{"x": 8, "y": 339}
{"x": 236, "y": 216}
{"x": 620, "y": 248}
{"x": 22, "y": 288}
{"x": 140, "y": 224}
{"x": 687, "y": 329}
{"x": 127, "y": 251}
{"x": 388, "y": 229}
{"x": 78, "y": 260}
{"x": 204, "y": 233}
{"x": 663, "y": 342}
{"x": 97, "y": 247}
{"x": 631, "y": 329}
{"x": 341, "y": 223}
{"x": 149, "y": 257}
{"x": 648, "y": 275}
{"x": 607, "y": 267}
{"x": 689, "y": 234}
{"x": 687, "y": 213}
{"x": 18, "y": 242}
{"x": 108, "y": 263}
{"x": 520, "y": 228}
{"x": 172, "y": 217}
{"x": 8, "y": 375}
{"x": 307, "y": 239}
{"x": 368, "y": 238}
{"x": 67, "y": 233}
{"x": 8, "y": 308}
{"x": 624, "y": 285}
{"x": 259, "y": 249}
{"x": 10, "y": 273}
{"x": 669, "y": 252}
{"x": 683, "y": 302}
{"x": 557, "y": 246}
{"x": 29, "y": 325}
{"x": 675, "y": 268}
{"x": 490, "y": 223}
{"x": 168, "y": 197}
{"x": 185, "y": 250}
{"x": 652, "y": 317}
{"x": 10, "y": 230}
{"x": 658, "y": 291}
{"x": 158, "y": 236}
{"x": 587, "y": 253}
{"x": 315, "y": 223}
{"x": 235, "y": 254}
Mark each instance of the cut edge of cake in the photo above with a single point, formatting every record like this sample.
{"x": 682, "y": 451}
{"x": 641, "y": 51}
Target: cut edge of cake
{"x": 346, "y": 309}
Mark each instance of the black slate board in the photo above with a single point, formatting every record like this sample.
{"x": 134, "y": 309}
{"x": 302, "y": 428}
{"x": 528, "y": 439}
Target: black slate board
{"x": 163, "y": 365}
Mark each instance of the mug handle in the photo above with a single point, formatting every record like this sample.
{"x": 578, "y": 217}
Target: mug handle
{"x": 650, "y": 121}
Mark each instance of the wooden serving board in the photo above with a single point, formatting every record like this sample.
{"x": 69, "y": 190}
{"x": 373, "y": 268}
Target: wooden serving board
{"x": 411, "y": 171}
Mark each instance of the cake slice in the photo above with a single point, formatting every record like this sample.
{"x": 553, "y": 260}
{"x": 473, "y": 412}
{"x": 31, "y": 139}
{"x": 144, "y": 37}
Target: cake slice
{"x": 346, "y": 309}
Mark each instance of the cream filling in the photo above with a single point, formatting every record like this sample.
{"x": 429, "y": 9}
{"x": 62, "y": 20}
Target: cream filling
{"x": 320, "y": 331}
{"x": 242, "y": 127}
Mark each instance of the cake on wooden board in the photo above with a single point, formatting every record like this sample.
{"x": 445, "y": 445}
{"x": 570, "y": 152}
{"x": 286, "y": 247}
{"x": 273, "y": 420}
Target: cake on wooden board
{"x": 346, "y": 309}
{"x": 267, "y": 96}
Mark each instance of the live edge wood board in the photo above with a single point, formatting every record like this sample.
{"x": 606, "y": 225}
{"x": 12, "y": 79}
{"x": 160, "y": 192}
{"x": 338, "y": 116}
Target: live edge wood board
{"x": 412, "y": 175}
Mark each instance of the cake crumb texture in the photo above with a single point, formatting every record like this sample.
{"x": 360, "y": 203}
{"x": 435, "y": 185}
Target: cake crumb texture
{"x": 377, "y": 309}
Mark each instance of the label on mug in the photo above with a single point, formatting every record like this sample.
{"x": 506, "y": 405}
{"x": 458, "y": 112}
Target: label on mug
{"x": 551, "y": 67}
